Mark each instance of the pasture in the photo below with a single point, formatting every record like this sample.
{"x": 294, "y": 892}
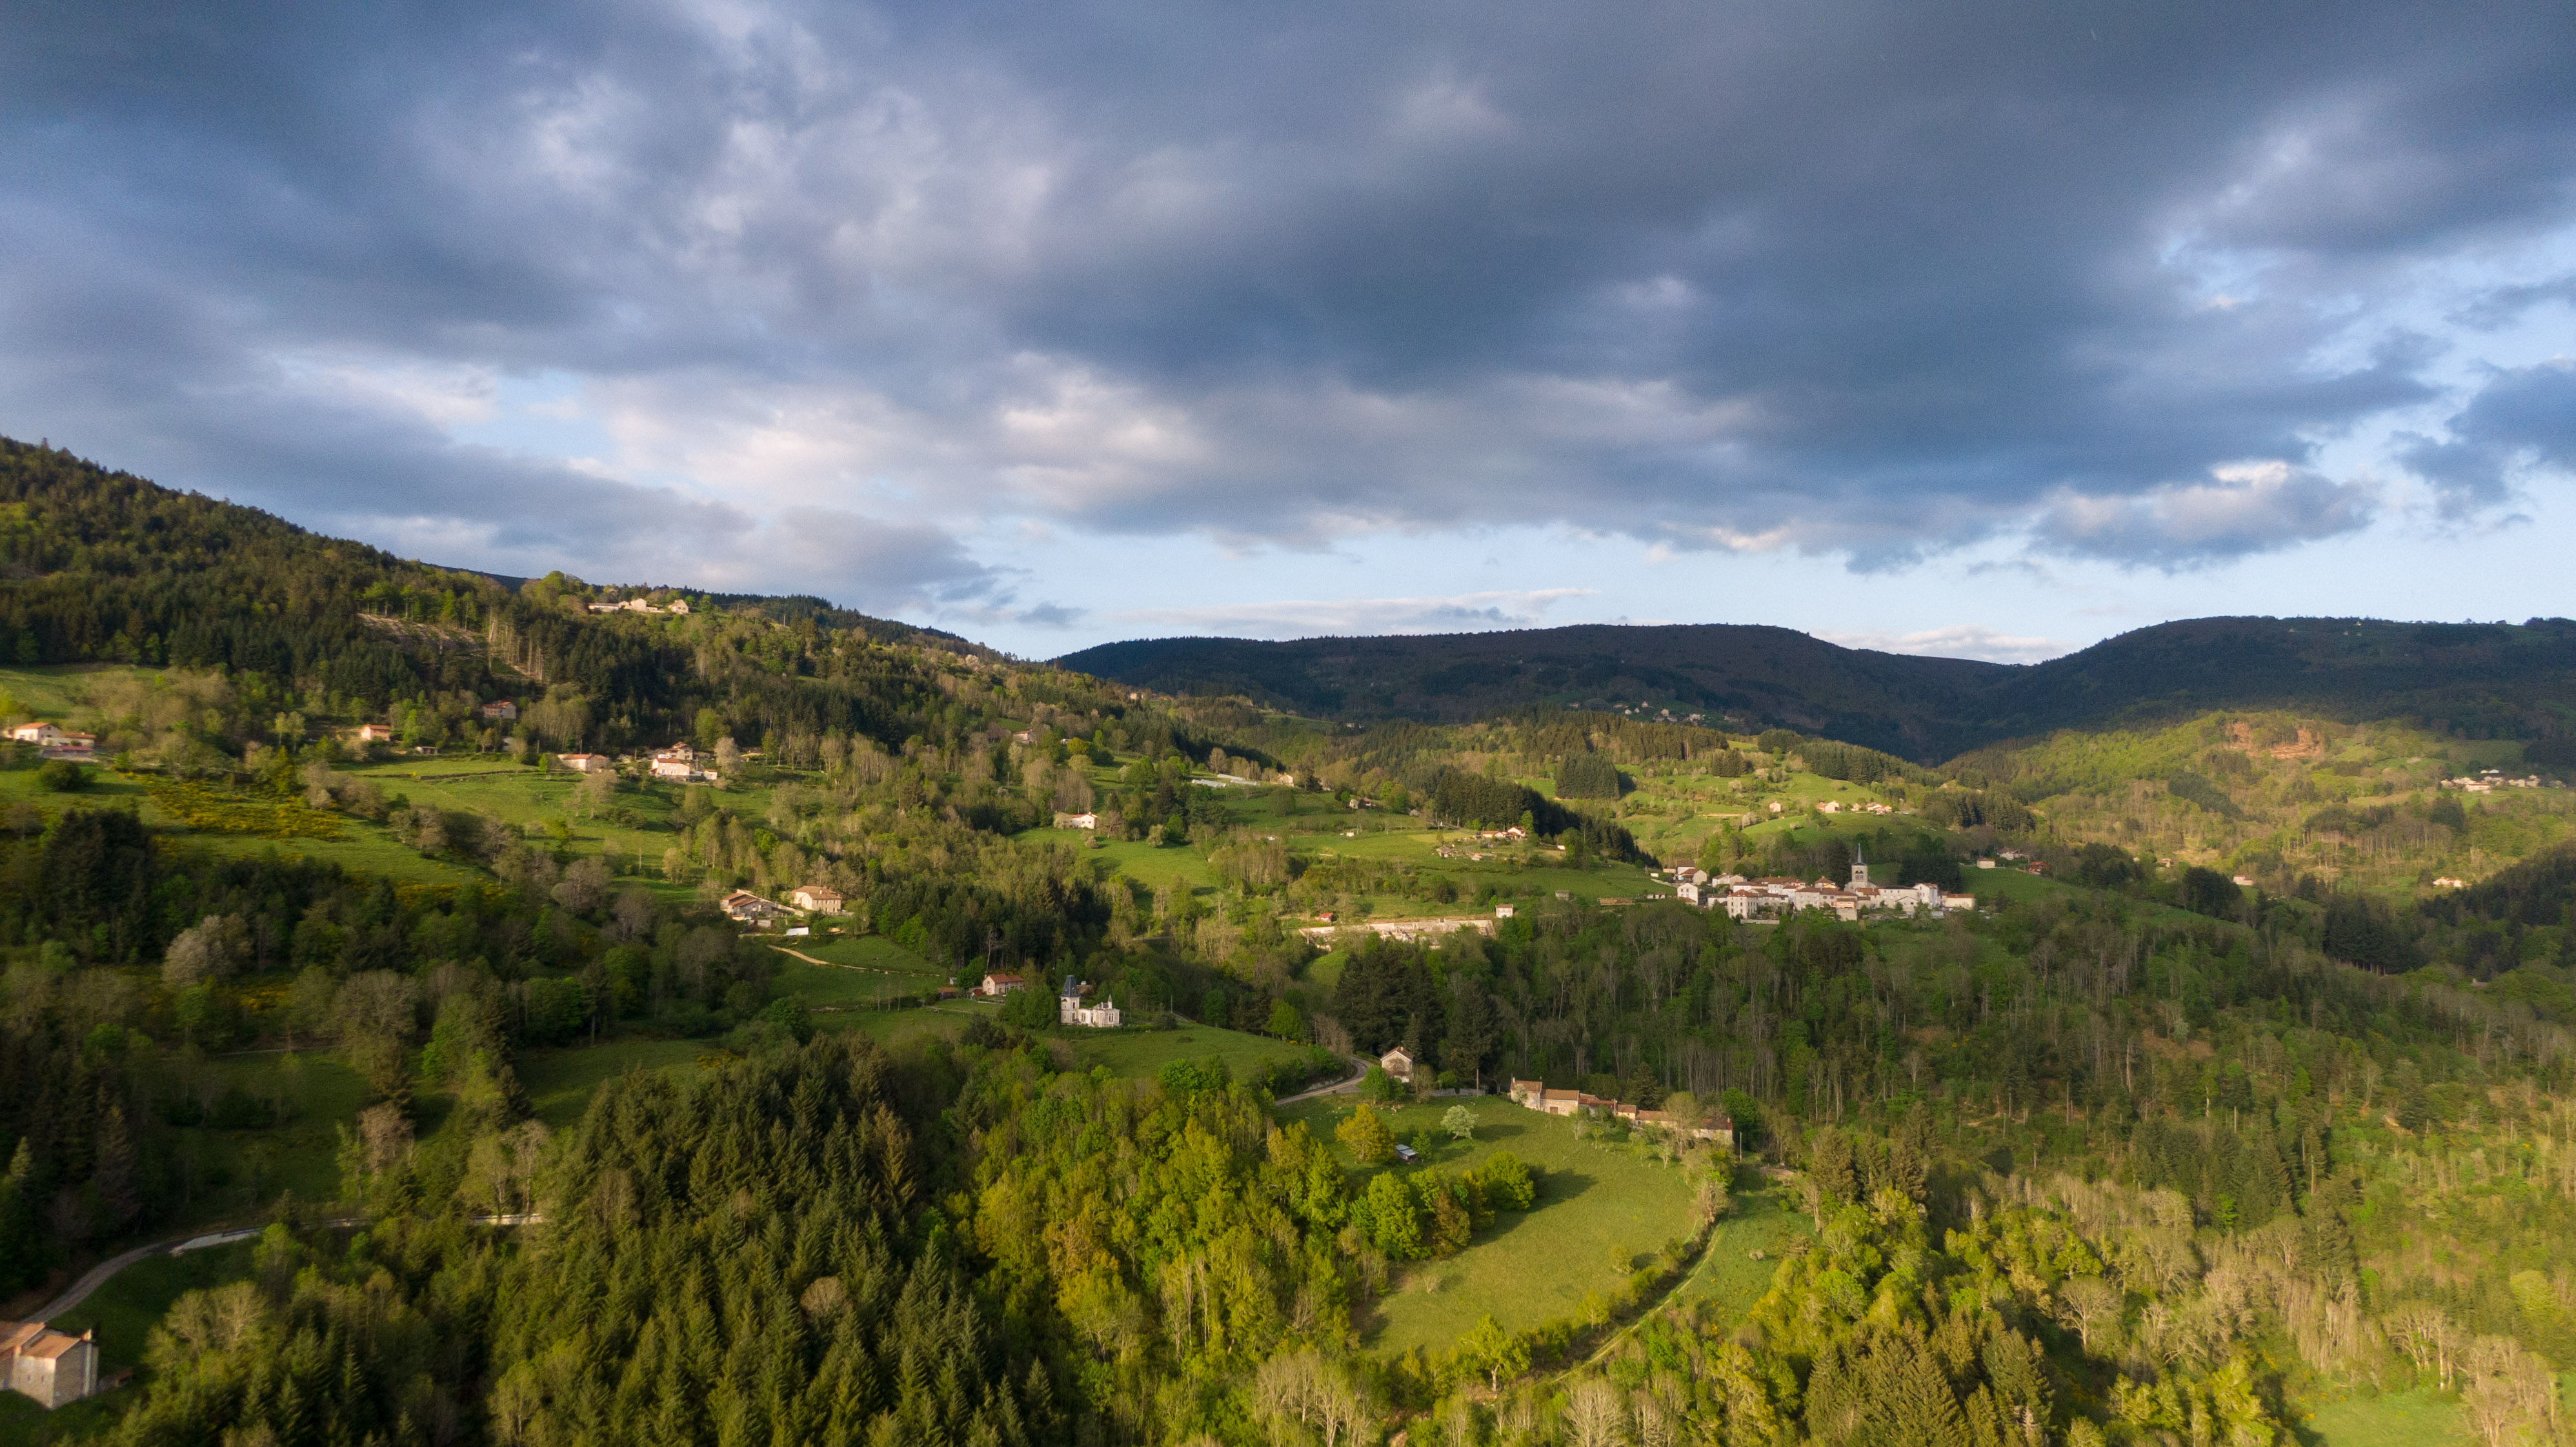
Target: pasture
{"x": 2419, "y": 1417}
{"x": 1602, "y": 1211}
{"x": 560, "y": 1083}
{"x": 1141, "y": 1053}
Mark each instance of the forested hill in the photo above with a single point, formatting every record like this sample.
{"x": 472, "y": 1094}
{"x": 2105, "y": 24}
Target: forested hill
{"x": 100, "y": 566}
{"x": 2500, "y": 679}
{"x": 1744, "y": 677}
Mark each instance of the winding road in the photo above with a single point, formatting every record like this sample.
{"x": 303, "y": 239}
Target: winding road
{"x": 97, "y": 1276}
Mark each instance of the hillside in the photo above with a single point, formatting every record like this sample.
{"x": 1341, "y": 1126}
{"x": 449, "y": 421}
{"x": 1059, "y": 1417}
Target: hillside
{"x": 2125, "y": 1152}
{"x": 2510, "y": 680}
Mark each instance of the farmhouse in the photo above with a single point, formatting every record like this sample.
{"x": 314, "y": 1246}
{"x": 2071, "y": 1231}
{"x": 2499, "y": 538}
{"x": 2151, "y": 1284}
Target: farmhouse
{"x": 1535, "y": 1095}
{"x": 745, "y": 907}
{"x": 1398, "y": 1063}
{"x": 681, "y": 762}
{"x": 996, "y": 986}
{"x": 586, "y": 763}
{"x": 817, "y": 899}
{"x": 374, "y": 733}
{"x": 51, "y": 1366}
{"x": 41, "y": 734}
{"x": 501, "y": 710}
{"x": 1077, "y": 821}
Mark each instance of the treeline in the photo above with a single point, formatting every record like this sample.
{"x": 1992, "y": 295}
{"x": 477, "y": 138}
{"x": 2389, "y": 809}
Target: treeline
{"x": 1460, "y": 797}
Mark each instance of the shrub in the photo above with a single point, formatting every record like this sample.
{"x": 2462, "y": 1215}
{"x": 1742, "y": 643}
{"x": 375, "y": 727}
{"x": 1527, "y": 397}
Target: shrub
{"x": 62, "y": 776}
{"x": 1507, "y": 1183}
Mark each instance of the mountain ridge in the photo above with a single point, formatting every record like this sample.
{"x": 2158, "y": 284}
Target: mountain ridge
{"x": 2518, "y": 680}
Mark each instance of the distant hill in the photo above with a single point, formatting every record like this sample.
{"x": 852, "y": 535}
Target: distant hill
{"x": 1754, "y": 676}
{"x": 2476, "y": 679}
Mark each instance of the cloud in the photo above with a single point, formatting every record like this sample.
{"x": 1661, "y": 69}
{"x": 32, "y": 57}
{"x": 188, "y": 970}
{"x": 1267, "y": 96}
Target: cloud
{"x": 2521, "y": 422}
{"x": 1342, "y": 617}
{"x": 1852, "y": 280}
{"x": 1960, "y": 640}
{"x": 2246, "y": 507}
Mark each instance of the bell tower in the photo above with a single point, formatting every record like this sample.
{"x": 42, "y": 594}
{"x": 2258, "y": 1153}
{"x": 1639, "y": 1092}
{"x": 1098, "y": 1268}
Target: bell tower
{"x": 1860, "y": 868}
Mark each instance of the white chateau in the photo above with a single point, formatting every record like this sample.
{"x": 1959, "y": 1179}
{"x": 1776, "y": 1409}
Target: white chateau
{"x": 1069, "y": 1009}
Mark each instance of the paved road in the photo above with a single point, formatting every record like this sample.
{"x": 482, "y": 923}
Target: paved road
{"x": 99, "y": 1275}
{"x": 1358, "y": 1074}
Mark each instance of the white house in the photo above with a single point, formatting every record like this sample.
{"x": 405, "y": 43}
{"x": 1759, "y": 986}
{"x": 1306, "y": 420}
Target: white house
{"x": 1398, "y": 1063}
{"x": 41, "y": 734}
{"x": 374, "y": 733}
{"x": 1077, "y": 821}
{"x": 996, "y": 986}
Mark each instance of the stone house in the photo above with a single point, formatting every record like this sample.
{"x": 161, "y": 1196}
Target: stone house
{"x": 51, "y": 1366}
{"x": 817, "y": 899}
{"x": 745, "y": 907}
{"x": 1398, "y": 1064}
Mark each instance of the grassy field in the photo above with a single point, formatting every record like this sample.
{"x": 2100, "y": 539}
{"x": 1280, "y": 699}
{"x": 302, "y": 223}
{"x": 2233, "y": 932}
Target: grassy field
{"x": 1147, "y": 865}
{"x": 125, "y": 1310}
{"x": 519, "y": 796}
{"x": 60, "y": 691}
{"x": 1600, "y": 1212}
{"x": 1731, "y": 1277}
{"x": 2418, "y": 1418}
{"x": 873, "y": 955}
{"x": 560, "y": 1083}
{"x": 1140, "y": 1053}
{"x": 301, "y": 1154}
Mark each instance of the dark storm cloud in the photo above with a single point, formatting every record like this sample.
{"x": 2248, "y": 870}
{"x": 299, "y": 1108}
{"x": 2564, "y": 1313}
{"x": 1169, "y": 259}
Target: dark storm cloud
{"x": 1871, "y": 280}
{"x": 2522, "y": 421}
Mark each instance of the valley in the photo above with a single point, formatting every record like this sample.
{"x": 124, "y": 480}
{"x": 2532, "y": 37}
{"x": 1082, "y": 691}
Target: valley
{"x": 2237, "y": 1107}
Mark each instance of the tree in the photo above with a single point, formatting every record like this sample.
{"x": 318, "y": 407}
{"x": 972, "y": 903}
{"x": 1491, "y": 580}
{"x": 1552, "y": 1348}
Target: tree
{"x": 206, "y": 951}
{"x": 1460, "y": 1122}
{"x": 1594, "y": 1415}
{"x": 584, "y": 887}
{"x": 1285, "y": 1022}
{"x": 1829, "y": 1161}
{"x": 2093, "y": 1307}
{"x": 1497, "y": 1351}
{"x": 1366, "y": 1137}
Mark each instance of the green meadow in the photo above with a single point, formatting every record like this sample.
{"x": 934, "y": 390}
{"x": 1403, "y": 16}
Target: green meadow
{"x": 1602, "y": 1211}
{"x": 1142, "y": 1053}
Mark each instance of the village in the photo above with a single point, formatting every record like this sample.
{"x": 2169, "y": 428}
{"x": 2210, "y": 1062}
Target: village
{"x": 1770, "y": 897}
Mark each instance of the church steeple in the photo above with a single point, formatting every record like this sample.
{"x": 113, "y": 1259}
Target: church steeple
{"x": 1860, "y": 868}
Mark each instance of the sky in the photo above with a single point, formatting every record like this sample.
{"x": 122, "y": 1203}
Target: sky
{"x": 1986, "y": 330}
